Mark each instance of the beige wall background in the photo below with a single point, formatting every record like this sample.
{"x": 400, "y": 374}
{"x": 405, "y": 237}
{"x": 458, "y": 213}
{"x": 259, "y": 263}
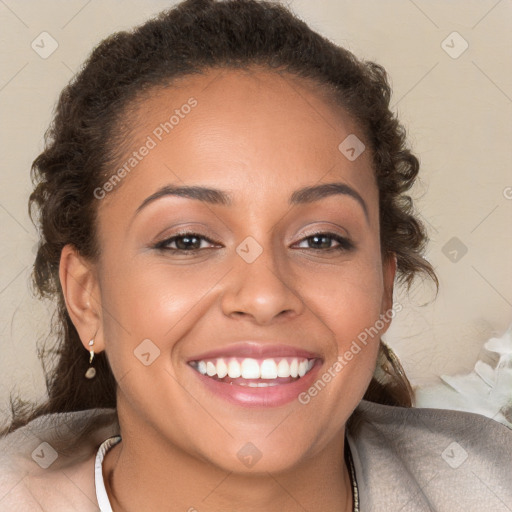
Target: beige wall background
{"x": 455, "y": 98}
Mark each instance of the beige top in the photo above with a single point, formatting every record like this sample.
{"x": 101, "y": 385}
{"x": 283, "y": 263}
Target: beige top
{"x": 406, "y": 460}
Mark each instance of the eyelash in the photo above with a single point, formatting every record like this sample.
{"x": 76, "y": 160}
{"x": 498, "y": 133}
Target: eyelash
{"x": 344, "y": 243}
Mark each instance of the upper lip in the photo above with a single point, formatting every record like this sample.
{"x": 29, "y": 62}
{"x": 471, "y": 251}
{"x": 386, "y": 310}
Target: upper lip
{"x": 256, "y": 350}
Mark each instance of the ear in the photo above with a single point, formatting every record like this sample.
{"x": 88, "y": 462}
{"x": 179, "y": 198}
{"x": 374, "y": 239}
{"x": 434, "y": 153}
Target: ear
{"x": 80, "y": 288}
{"x": 389, "y": 264}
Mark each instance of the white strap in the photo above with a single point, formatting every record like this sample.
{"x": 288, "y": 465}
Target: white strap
{"x": 101, "y": 492}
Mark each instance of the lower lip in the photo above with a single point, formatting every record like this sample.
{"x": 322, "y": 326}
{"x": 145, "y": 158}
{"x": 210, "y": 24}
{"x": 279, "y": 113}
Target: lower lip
{"x": 271, "y": 396}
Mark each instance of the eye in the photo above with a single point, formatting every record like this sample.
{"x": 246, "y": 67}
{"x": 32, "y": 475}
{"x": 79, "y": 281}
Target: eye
{"x": 191, "y": 242}
{"x": 185, "y": 242}
{"x": 324, "y": 241}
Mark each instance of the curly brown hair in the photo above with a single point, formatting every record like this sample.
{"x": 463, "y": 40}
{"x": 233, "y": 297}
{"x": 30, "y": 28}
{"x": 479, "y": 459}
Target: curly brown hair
{"x": 90, "y": 124}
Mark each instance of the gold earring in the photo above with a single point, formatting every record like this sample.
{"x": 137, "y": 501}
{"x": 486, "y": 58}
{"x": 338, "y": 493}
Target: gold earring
{"x": 91, "y": 372}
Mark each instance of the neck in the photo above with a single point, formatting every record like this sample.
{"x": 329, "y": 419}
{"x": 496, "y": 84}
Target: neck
{"x": 146, "y": 472}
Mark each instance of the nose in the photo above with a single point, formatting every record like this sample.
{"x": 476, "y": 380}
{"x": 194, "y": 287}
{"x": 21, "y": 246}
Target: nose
{"x": 260, "y": 291}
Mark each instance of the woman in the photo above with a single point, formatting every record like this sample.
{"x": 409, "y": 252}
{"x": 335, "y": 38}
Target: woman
{"x": 223, "y": 213}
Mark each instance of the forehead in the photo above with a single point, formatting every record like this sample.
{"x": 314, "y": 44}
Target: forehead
{"x": 230, "y": 127}
{"x": 257, "y": 101}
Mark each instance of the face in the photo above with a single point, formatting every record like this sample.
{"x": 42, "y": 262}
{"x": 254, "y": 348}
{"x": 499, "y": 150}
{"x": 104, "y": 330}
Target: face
{"x": 223, "y": 310}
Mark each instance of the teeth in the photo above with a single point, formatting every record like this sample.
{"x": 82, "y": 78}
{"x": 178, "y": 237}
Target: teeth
{"x": 234, "y": 370}
{"x": 268, "y": 369}
{"x": 258, "y": 384}
{"x": 283, "y": 368}
{"x": 294, "y": 368}
{"x": 201, "y": 367}
{"x": 250, "y": 368}
{"x": 222, "y": 368}
{"x": 211, "y": 370}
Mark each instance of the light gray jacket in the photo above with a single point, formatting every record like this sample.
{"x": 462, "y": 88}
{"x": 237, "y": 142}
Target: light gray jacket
{"x": 406, "y": 460}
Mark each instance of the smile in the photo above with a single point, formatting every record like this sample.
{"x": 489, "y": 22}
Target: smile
{"x": 254, "y": 372}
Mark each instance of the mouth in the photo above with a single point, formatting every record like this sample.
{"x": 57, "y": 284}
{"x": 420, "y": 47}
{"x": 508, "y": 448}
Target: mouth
{"x": 254, "y": 375}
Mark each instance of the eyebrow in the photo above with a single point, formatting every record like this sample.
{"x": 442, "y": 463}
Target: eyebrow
{"x": 316, "y": 192}
{"x": 218, "y": 197}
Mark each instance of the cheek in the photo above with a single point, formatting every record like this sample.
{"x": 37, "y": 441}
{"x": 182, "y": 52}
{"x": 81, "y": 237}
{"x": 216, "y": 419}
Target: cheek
{"x": 347, "y": 300}
{"x": 349, "y": 309}
{"x": 151, "y": 301}
{"x": 352, "y": 318}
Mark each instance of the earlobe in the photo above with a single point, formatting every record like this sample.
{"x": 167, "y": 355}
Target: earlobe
{"x": 80, "y": 289}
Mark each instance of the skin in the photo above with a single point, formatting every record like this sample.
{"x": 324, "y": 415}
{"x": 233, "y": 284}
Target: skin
{"x": 258, "y": 136}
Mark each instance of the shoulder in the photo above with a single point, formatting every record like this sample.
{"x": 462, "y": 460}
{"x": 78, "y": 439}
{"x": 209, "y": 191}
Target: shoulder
{"x": 49, "y": 463}
{"x": 430, "y": 459}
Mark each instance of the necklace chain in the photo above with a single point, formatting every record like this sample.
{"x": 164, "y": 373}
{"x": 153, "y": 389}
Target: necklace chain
{"x": 353, "y": 481}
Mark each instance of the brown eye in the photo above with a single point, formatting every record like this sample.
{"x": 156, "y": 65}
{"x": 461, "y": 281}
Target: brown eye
{"x": 185, "y": 242}
{"x": 326, "y": 241}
